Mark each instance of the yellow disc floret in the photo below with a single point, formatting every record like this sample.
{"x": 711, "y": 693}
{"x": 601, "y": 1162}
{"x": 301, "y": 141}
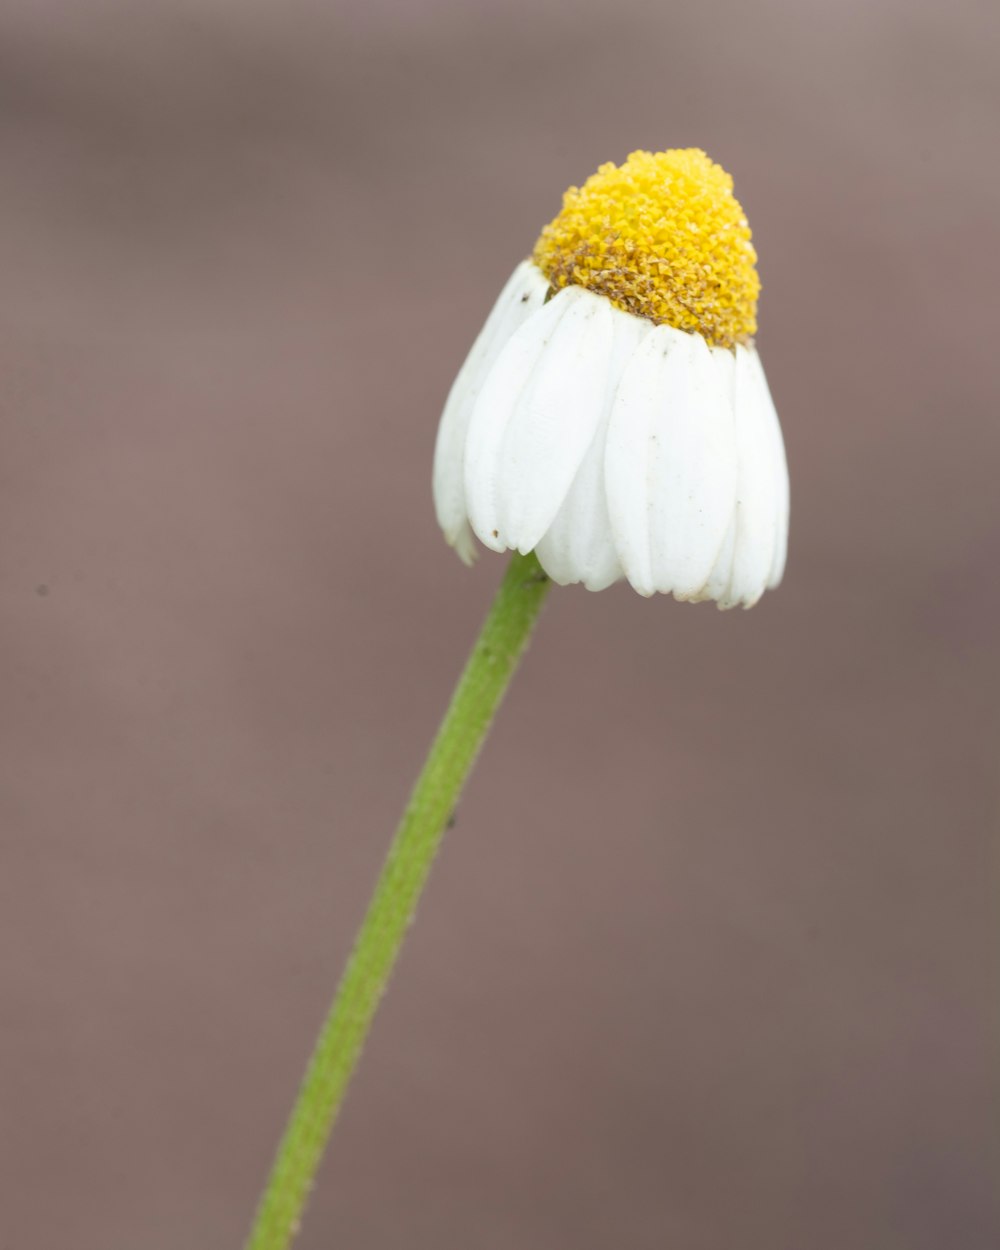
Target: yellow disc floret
{"x": 662, "y": 236}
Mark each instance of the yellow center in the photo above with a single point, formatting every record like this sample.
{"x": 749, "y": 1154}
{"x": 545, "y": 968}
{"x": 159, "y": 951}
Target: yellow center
{"x": 662, "y": 236}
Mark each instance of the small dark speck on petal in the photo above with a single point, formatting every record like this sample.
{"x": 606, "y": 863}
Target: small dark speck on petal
{"x": 41, "y": 590}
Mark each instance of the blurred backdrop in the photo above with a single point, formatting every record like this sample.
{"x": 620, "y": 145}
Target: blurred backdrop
{"x": 710, "y": 957}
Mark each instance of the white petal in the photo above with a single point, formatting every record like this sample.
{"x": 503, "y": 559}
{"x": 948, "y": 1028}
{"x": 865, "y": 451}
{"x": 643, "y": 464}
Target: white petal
{"x": 578, "y": 545}
{"x": 523, "y": 294}
{"x": 717, "y": 586}
{"x": 670, "y": 466}
{"x": 553, "y": 425}
{"x": 756, "y": 489}
{"x": 780, "y": 470}
{"x": 626, "y": 475}
{"x": 535, "y": 418}
{"x": 491, "y": 415}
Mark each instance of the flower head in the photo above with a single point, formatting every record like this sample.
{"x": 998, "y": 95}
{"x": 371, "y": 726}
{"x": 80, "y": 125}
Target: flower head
{"x": 613, "y": 415}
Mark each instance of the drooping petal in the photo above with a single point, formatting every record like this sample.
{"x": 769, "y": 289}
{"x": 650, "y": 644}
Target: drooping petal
{"x": 553, "y": 424}
{"x": 670, "y": 465}
{"x": 578, "y": 546}
{"x": 626, "y": 461}
{"x": 756, "y": 489}
{"x": 695, "y": 479}
{"x": 717, "y": 586}
{"x": 491, "y": 414}
{"x": 535, "y": 418}
{"x": 779, "y": 468}
{"x": 523, "y": 294}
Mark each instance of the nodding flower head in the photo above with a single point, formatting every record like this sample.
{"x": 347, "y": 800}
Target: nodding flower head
{"x": 613, "y": 415}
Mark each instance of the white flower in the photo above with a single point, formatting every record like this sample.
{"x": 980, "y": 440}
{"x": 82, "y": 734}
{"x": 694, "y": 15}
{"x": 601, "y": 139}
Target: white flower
{"x": 613, "y": 446}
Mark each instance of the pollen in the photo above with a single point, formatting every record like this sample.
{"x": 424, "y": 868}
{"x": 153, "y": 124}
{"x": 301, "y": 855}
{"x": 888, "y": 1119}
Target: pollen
{"x": 661, "y": 236}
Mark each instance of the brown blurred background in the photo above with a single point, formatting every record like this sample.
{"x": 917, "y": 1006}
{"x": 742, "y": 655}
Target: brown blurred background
{"x": 710, "y": 957}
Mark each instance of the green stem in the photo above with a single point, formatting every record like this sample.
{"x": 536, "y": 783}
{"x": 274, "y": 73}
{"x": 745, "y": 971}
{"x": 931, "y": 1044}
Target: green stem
{"x": 479, "y": 692}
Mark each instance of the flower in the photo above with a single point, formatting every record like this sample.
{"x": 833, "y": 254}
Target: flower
{"x": 613, "y": 415}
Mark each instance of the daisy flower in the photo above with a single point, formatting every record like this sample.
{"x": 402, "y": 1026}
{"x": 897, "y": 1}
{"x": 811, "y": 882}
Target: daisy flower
{"x": 613, "y": 415}
{"x": 612, "y": 421}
